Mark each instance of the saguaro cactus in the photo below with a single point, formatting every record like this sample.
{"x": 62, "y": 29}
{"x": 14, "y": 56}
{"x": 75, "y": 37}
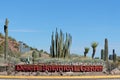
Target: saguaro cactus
{"x": 114, "y": 56}
{"x": 102, "y": 54}
{"x": 6, "y": 39}
{"x": 106, "y": 49}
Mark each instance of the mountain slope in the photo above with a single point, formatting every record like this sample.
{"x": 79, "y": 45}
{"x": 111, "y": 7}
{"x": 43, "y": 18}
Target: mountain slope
{"x": 12, "y": 43}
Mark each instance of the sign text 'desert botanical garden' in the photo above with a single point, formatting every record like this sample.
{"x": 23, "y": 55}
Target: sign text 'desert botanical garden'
{"x": 64, "y": 68}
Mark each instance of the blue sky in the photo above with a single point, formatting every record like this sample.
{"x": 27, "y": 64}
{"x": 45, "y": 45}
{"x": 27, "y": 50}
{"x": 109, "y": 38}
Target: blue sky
{"x": 32, "y": 21}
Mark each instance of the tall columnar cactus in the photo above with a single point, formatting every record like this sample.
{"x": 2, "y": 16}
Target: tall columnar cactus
{"x": 59, "y": 47}
{"x": 114, "y": 56}
{"x": 6, "y": 39}
{"x": 61, "y": 40}
{"x": 65, "y": 48}
{"x": 69, "y": 44}
{"x": 102, "y": 54}
{"x": 56, "y": 42}
{"x": 33, "y": 56}
{"x": 106, "y": 50}
{"x": 52, "y": 46}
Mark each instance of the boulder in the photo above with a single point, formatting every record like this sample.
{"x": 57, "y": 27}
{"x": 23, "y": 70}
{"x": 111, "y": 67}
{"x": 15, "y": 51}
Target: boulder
{"x": 115, "y": 71}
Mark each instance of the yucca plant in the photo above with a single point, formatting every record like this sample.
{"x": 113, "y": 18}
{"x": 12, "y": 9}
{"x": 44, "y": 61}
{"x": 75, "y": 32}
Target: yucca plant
{"x": 86, "y": 51}
{"x": 94, "y": 45}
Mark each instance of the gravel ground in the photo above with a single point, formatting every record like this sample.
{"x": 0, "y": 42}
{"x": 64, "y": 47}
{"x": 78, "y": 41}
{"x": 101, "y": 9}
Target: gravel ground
{"x": 60, "y": 79}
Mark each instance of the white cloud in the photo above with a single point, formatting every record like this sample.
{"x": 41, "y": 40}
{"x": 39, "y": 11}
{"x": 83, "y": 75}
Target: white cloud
{"x": 23, "y": 30}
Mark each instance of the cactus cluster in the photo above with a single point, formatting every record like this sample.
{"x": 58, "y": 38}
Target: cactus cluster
{"x": 60, "y": 48}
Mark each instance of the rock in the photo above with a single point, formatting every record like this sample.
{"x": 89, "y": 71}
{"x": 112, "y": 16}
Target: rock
{"x": 61, "y": 73}
{"x": 69, "y": 74}
{"x": 46, "y": 72}
{"x": 55, "y": 73}
{"x": 119, "y": 67}
{"x": 37, "y": 73}
{"x": 105, "y": 71}
{"x": 115, "y": 71}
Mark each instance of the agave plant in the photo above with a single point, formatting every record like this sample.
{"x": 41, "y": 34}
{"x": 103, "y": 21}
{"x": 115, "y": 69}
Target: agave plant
{"x": 94, "y": 45}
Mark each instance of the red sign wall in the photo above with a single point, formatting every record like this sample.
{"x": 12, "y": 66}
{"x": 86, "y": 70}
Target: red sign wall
{"x": 64, "y": 68}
